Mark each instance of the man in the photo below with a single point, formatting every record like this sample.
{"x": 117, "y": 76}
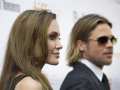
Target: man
{"x": 90, "y": 48}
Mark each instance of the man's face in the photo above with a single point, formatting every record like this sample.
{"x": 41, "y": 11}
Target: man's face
{"x": 99, "y": 53}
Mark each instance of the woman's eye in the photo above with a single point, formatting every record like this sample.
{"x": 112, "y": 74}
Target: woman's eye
{"x": 53, "y": 36}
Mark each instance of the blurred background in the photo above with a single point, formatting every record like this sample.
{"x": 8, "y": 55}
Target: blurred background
{"x": 68, "y": 11}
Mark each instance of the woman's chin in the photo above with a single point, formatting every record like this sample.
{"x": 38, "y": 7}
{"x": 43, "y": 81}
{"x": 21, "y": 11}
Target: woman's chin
{"x": 53, "y": 62}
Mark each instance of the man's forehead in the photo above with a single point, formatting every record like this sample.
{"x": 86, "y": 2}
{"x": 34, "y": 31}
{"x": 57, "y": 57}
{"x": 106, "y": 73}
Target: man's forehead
{"x": 102, "y": 29}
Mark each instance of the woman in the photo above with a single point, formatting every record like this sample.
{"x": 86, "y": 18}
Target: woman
{"x": 34, "y": 40}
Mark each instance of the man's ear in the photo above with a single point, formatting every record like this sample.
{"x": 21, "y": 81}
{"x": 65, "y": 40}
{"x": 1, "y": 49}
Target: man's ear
{"x": 81, "y": 45}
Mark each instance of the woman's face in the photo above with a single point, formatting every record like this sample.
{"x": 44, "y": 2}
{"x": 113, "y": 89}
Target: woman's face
{"x": 54, "y": 44}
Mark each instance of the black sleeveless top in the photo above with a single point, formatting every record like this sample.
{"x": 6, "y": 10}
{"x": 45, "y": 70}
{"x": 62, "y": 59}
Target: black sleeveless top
{"x": 13, "y": 81}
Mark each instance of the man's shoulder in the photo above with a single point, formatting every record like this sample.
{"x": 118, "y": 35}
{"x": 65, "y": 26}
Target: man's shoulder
{"x": 75, "y": 80}
{"x": 77, "y": 74}
{"x": 80, "y": 70}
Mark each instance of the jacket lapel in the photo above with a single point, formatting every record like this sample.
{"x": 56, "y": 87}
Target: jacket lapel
{"x": 92, "y": 77}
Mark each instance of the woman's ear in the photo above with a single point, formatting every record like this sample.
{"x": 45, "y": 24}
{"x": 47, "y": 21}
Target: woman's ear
{"x": 81, "y": 45}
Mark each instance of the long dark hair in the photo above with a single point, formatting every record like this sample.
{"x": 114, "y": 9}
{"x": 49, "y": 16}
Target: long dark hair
{"x": 29, "y": 33}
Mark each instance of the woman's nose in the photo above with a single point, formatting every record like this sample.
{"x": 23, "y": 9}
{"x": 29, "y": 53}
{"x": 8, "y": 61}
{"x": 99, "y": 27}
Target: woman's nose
{"x": 59, "y": 45}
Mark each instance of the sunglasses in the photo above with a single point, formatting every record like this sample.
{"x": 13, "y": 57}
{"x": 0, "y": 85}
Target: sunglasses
{"x": 104, "y": 40}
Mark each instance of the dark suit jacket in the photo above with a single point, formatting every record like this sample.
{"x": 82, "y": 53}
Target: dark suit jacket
{"x": 82, "y": 78}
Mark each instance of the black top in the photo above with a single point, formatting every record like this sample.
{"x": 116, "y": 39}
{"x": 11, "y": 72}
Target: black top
{"x": 13, "y": 81}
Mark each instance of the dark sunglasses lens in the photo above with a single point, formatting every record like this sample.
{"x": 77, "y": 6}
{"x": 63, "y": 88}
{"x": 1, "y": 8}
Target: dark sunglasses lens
{"x": 102, "y": 40}
{"x": 113, "y": 40}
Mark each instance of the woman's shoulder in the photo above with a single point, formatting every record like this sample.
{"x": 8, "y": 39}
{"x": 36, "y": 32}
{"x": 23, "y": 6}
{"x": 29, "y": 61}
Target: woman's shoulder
{"x": 28, "y": 83}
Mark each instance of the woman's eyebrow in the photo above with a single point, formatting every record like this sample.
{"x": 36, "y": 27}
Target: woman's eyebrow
{"x": 54, "y": 33}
